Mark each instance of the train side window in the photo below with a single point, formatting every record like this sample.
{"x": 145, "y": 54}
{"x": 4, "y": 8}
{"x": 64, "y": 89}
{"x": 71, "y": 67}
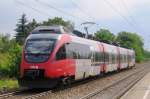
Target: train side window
{"x": 77, "y": 51}
{"x": 110, "y": 58}
{"x": 113, "y": 58}
{"x": 61, "y": 54}
{"x": 102, "y": 57}
{"x": 106, "y": 57}
{"x": 121, "y": 58}
{"x": 69, "y": 50}
{"x": 125, "y": 58}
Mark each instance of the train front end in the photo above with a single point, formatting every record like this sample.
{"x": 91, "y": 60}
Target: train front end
{"x": 38, "y": 67}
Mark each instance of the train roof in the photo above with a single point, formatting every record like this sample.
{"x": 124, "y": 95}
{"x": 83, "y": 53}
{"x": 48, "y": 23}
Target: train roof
{"x": 57, "y": 29}
{"x": 43, "y": 36}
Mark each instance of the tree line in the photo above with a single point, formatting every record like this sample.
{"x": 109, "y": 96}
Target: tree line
{"x": 10, "y": 49}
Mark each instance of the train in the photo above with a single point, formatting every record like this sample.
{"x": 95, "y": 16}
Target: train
{"x": 53, "y": 54}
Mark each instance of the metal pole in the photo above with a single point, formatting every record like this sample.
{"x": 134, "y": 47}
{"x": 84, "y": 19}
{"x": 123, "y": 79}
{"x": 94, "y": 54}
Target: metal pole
{"x": 86, "y": 30}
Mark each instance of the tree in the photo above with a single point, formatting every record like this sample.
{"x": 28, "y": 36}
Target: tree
{"x": 147, "y": 54}
{"x": 58, "y": 21}
{"x": 132, "y": 41}
{"x": 22, "y": 30}
{"x": 4, "y": 43}
{"x": 31, "y": 25}
{"x": 104, "y": 35}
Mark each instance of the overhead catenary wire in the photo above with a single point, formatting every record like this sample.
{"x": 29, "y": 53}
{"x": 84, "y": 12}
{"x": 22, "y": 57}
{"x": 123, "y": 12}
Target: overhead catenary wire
{"x": 50, "y": 6}
{"x": 59, "y": 10}
{"x": 121, "y": 15}
{"x": 125, "y": 6}
{"x": 81, "y": 10}
{"x": 85, "y": 13}
{"x": 39, "y": 11}
{"x": 130, "y": 16}
{"x": 34, "y": 9}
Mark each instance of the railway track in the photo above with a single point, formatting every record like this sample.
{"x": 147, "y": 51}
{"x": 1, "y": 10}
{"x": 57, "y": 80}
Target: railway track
{"x": 7, "y": 94}
{"x": 25, "y": 94}
{"x": 110, "y": 89}
{"x": 38, "y": 95}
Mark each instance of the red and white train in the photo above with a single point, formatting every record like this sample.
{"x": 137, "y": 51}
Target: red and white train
{"x": 52, "y": 55}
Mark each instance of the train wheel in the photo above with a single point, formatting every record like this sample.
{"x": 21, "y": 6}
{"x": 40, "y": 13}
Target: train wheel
{"x": 65, "y": 82}
{"x": 68, "y": 81}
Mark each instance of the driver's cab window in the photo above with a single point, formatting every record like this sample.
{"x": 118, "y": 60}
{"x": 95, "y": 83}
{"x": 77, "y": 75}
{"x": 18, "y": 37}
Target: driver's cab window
{"x": 61, "y": 53}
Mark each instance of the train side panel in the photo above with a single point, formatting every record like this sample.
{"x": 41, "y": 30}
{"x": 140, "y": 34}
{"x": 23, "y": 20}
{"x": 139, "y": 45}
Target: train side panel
{"x": 123, "y": 58}
{"x": 111, "y": 57}
{"x": 94, "y": 64}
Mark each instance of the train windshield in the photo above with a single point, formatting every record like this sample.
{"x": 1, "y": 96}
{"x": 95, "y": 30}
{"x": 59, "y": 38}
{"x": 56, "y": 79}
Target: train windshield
{"x": 38, "y": 50}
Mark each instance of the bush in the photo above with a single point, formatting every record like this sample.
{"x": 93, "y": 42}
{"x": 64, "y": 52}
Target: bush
{"x": 4, "y": 63}
{"x": 9, "y": 84}
{"x": 139, "y": 58}
{"x": 15, "y": 59}
{"x": 10, "y": 60}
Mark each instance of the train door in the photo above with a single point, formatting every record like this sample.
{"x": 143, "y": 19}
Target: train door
{"x": 128, "y": 58}
{"x": 83, "y": 63}
{"x": 118, "y": 58}
{"x": 82, "y": 68}
{"x": 95, "y": 66}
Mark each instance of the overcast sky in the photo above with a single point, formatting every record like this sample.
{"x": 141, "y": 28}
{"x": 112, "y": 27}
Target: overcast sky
{"x": 115, "y": 15}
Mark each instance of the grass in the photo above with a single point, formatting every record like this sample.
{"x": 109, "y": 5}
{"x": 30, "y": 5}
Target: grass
{"x": 9, "y": 84}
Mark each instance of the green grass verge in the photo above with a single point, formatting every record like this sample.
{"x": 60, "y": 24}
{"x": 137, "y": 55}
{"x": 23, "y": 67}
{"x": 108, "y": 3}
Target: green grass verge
{"x": 9, "y": 84}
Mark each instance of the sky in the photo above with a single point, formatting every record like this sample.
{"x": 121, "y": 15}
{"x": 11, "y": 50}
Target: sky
{"x": 115, "y": 15}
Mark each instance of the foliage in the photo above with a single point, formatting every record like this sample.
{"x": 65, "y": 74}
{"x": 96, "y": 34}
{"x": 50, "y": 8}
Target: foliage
{"x": 56, "y": 21}
{"x": 8, "y": 83}
{"x": 15, "y": 59}
{"x": 22, "y": 29}
{"x": 147, "y": 55}
{"x": 10, "y": 57}
{"x": 4, "y": 43}
{"x": 31, "y": 25}
{"x": 104, "y": 34}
